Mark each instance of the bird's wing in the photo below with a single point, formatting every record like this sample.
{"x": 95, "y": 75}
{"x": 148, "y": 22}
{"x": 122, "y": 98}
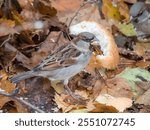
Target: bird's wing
{"x": 64, "y": 56}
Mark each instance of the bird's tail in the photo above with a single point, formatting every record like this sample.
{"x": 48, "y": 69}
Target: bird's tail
{"x": 21, "y": 76}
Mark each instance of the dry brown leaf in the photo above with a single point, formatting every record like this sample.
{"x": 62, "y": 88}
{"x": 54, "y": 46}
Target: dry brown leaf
{"x": 18, "y": 55}
{"x": 6, "y": 27}
{"x": 99, "y": 85}
{"x": 100, "y": 107}
{"x": 110, "y": 11}
{"x": 47, "y": 47}
{"x": 24, "y": 3}
{"x": 66, "y": 5}
{"x": 8, "y": 87}
{"x": 17, "y": 17}
{"x": 145, "y": 98}
{"x": 124, "y": 10}
{"x": 45, "y": 8}
{"x": 140, "y": 48}
{"x": 5, "y": 86}
{"x": 116, "y": 10}
{"x": 142, "y": 64}
{"x": 67, "y": 9}
{"x": 120, "y": 103}
{"x": 58, "y": 87}
{"x": 66, "y": 107}
{"x": 79, "y": 110}
{"x": 143, "y": 85}
{"x": 82, "y": 93}
{"x": 4, "y": 100}
{"x": 118, "y": 87}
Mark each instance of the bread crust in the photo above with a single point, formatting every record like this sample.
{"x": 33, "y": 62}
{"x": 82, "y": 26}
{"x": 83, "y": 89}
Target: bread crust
{"x": 110, "y": 57}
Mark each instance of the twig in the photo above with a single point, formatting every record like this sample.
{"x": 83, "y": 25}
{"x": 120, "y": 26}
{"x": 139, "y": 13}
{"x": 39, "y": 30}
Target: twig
{"x": 7, "y": 40}
{"x": 28, "y": 104}
{"x": 82, "y": 5}
{"x": 20, "y": 100}
{"x": 60, "y": 34}
{"x": 103, "y": 79}
{"x": 100, "y": 4}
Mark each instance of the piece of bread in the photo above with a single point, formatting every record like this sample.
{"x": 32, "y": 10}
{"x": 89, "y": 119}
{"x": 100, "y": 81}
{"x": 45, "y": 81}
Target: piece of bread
{"x": 110, "y": 57}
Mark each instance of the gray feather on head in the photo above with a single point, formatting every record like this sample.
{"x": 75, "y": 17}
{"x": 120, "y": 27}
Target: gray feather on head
{"x": 137, "y": 8}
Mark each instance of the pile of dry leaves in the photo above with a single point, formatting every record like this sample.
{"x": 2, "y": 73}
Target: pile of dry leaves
{"x": 32, "y": 29}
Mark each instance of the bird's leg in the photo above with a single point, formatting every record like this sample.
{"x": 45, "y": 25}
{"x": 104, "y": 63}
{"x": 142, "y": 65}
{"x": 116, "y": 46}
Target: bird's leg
{"x": 103, "y": 77}
{"x": 69, "y": 91}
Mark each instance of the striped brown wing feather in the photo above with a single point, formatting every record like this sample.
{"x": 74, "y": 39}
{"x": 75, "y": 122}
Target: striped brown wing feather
{"x": 64, "y": 56}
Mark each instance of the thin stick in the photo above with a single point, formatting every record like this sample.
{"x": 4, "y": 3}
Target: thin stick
{"x": 20, "y": 100}
{"x": 82, "y": 5}
{"x": 28, "y": 104}
{"x": 102, "y": 78}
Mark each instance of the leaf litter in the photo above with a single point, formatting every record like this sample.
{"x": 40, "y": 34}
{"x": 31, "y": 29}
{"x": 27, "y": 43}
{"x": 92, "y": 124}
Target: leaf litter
{"x": 32, "y": 29}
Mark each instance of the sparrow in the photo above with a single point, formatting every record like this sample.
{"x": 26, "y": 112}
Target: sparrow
{"x": 140, "y": 18}
{"x": 65, "y": 62}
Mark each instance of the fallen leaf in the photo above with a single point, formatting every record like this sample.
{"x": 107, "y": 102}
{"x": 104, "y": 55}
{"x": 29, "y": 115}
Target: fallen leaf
{"x": 7, "y": 87}
{"x": 7, "y": 27}
{"x": 117, "y": 87}
{"x": 79, "y": 110}
{"x": 144, "y": 99}
{"x": 66, "y": 107}
{"x": 143, "y": 64}
{"x": 141, "y": 48}
{"x": 135, "y": 74}
{"x": 138, "y": 108}
{"x": 47, "y": 47}
{"x": 127, "y": 29}
{"x": 71, "y": 11}
{"x": 82, "y": 93}
{"x": 58, "y": 87}
{"x": 96, "y": 107}
{"x": 45, "y": 8}
{"x": 110, "y": 11}
{"x": 120, "y": 103}
{"x": 38, "y": 92}
{"x": 123, "y": 9}
{"x": 99, "y": 85}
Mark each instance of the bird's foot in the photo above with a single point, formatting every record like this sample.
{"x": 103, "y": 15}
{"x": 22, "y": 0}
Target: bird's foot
{"x": 73, "y": 95}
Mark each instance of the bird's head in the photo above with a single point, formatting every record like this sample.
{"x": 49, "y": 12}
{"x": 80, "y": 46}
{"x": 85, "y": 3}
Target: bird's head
{"x": 88, "y": 37}
{"x": 89, "y": 41}
{"x": 137, "y": 11}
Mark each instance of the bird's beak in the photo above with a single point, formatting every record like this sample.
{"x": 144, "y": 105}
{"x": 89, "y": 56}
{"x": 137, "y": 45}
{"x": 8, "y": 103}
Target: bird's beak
{"x": 131, "y": 19}
{"x": 95, "y": 42}
{"x": 96, "y": 48}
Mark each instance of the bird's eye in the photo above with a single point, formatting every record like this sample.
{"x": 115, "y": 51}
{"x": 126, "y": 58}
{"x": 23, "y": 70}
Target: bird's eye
{"x": 140, "y": 13}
